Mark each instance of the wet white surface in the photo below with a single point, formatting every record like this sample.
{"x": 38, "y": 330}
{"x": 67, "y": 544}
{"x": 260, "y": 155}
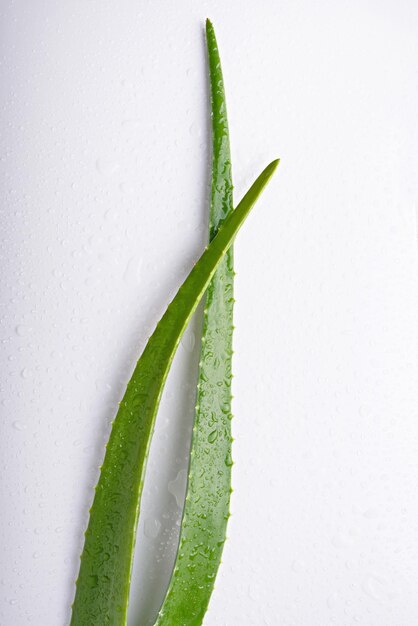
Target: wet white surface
{"x": 104, "y": 176}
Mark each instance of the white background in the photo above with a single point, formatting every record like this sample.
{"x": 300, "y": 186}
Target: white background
{"x": 105, "y": 164}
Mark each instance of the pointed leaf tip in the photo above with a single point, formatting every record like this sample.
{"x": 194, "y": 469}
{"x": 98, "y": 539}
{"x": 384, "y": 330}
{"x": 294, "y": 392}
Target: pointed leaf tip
{"x": 270, "y": 169}
{"x": 273, "y": 165}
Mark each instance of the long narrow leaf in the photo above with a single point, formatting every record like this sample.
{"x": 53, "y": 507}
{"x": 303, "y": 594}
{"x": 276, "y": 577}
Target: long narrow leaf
{"x": 104, "y": 578}
{"x": 206, "y": 510}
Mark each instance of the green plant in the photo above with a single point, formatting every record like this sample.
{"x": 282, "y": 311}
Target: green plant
{"x": 206, "y": 511}
{"x": 105, "y": 568}
{"x": 104, "y": 578}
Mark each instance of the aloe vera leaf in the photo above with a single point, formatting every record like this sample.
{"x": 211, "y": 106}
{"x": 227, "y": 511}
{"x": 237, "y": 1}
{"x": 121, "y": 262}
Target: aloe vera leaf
{"x": 206, "y": 511}
{"x": 104, "y": 578}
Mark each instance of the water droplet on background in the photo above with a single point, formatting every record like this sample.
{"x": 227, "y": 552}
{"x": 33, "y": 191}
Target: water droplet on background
{"x": 131, "y": 124}
{"x": 152, "y": 528}
{"x": 133, "y": 270}
{"x": 188, "y": 341}
{"x": 177, "y": 487}
{"x": 22, "y": 330}
{"x": 107, "y": 167}
{"x": 127, "y": 188}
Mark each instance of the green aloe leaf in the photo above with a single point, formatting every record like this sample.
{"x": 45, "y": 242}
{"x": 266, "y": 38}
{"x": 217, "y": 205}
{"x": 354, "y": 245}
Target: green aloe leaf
{"x": 105, "y": 569}
{"x": 206, "y": 511}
